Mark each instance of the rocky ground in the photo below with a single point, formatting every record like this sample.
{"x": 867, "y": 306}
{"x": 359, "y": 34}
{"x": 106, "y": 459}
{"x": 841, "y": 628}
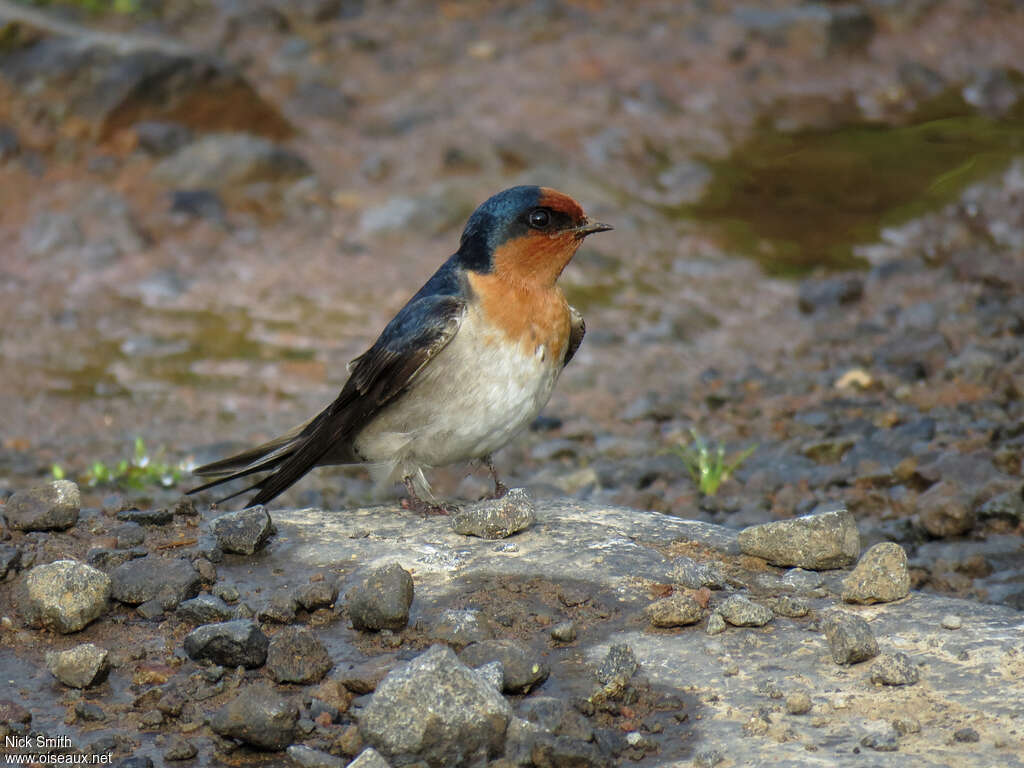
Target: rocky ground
{"x": 209, "y": 208}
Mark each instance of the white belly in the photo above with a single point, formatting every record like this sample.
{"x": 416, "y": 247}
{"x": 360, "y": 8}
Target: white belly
{"x": 469, "y": 401}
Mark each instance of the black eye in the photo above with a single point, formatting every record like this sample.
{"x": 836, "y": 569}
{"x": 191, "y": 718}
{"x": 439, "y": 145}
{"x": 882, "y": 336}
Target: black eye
{"x": 539, "y": 218}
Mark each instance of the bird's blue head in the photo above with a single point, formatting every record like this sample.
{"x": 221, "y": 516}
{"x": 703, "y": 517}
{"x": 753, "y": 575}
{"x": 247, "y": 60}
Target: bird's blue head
{"x": 536, "y": 229}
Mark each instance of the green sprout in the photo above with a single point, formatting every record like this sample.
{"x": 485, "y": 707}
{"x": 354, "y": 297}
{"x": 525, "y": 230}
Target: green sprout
{"x": 708, "y": 466}
{"x": 140, "y": 471}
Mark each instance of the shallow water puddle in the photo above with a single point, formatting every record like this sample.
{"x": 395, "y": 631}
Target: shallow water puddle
{"x": 795, "y": 201}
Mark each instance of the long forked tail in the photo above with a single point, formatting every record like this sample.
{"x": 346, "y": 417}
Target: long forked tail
{"x": 262, "y": 458}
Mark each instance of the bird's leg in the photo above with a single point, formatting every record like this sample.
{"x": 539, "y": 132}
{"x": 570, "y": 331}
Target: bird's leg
{"x": 416, "y": 504}
{"x": 500, "y": 489}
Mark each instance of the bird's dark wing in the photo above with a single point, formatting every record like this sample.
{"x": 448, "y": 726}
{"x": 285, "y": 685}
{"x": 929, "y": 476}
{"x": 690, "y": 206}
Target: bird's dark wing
{"x": 410, "y": 341}
{"x": 577, "y": 330}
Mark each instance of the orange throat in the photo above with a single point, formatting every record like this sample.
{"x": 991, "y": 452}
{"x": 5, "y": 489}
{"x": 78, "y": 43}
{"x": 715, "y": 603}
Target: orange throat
{"x": 532, "y": 314}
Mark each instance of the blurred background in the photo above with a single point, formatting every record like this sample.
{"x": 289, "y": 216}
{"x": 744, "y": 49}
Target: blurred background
{"x": 208, "y": 207}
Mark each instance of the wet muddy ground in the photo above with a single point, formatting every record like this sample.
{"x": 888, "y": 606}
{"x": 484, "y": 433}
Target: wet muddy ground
{"x": 818, "y": 253}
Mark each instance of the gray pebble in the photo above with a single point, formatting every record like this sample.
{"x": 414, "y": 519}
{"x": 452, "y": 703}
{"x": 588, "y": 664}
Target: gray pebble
{"x": 496, "y": 518}
{"x": 523, "y": 669}
{"x": 65, "y": 595}
{"x": 258, "y": 716}
{"x": 204, "y": 609}
{"x": 382, "y": 600}
{"x": 296, "y": 655}
{"x": 318, "y": 594}
{"x": 952, "y": 621}
{"x": 244, "y": 531}
{"x": 894, "y": 669}
{"x": 716, "y": 624}
{"x": 79, "y": 667}
{"x": 881, "y": 576}
{"x": 229, "y": 643}
{"x": 369, "y": 758}
{"x": 818, "y": 541}
{"x": 883, "y": 737}
{"x": 313, "y": 758}
{"x": 171, "y": 580}
{"x": 798, "y": 703}
{"x": 675, "y": 611}
{"x": 51, "y": 507}
{"x": 180, "y": 748}
{"x": 740, "y": 611}
{"x": 850, "y": 638}
{"x": 564, "y": 632}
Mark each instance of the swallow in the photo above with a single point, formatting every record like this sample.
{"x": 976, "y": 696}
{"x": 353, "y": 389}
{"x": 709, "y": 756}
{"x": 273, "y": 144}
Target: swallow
{"x": 463, "y": 367}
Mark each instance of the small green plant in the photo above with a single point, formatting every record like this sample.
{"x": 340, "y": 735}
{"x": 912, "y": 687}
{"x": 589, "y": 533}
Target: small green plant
{"x": 93, "y": 6}
{"x": 708, "y": 466}
{"x": 140, "y": 471}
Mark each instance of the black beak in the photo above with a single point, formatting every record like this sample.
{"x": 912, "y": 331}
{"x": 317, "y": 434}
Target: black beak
{"x": 589, "y": 227}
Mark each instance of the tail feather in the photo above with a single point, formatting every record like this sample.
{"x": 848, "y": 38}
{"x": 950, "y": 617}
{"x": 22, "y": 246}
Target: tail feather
{"x": 262, "y": 458}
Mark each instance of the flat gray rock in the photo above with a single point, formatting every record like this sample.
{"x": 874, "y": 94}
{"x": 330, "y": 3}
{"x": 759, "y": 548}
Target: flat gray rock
{"x": 169, "y": 580}
{"x": 244, "y": 531}
{"x": 592, "y": 552}
{"x": 818, "y": 541}
{"x": 496, "y": 518}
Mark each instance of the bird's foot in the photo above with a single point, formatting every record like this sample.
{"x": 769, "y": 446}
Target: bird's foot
{"x": 422, "y": 506}
{"x": 500, "y": 489}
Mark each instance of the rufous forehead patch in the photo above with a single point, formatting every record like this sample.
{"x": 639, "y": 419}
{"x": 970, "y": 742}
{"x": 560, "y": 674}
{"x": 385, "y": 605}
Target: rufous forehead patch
{"x": 557, "y": 201}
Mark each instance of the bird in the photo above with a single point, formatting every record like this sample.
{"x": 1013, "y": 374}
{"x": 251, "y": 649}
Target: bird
{"x": 465, "y": 365}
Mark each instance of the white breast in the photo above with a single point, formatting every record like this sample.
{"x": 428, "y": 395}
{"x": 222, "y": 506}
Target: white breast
{"x": 475, "y": 396}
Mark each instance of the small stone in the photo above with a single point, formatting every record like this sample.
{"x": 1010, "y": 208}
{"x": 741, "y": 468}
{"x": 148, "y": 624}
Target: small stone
{"x": 496, "y": 518}
{"x": 802, "y": 580}
{"x": 65, "y": 595}
{"x": 708, "y": 758}
{"x": 616, "y": 670}
{"x": 243, "y": 532}
{"x": 906, "y": 724}
{"x": 226, "y": 592}
{"x": 258, "y": 716}
{"x": 281, "y": 607}
{"x": 369, "y": 758}
{"x": 740, "y": 611}
{"x": 436, "y": 709}
{"x": 564, "y": 632}
{"x": 365, "y": 676}
{"x": 798, "y": 703}
{"x": 204, "y": 609}
{"x": 89, "y": 711}
{"x": 459, "y": 628}
{"x": 296, "y": 655}
{"x": 129, "y": 535}
{"x": 894, "y": 669}
{"x": 818, "y": 541}
{"x": 180, "y": 748}
{"x": 789, "y": 606}
{"x": 678, "y": 610}
{"x": 313, "y": 758}
{"x": 883, "y": 737}
{"x": 716, "y": 624}
{"x": 161, "y": 516}
{"x": 881, "y": 576}
{"x": 320, "y": 594}
{"x": 850, "y": 638}
{"x": 382, "y": 600}
{"x": 523, "y": 670}
{"x": 952, "y": 621}
{"x": 966, "y": 736}
{"x": 169, "y": 580}
{"x": 10, "y": 559}
{"x": 228, "y": 643}
{"x": 51, "y": 507}
{"x": 79, "y": 667}
{"x": 944, "y": 511}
